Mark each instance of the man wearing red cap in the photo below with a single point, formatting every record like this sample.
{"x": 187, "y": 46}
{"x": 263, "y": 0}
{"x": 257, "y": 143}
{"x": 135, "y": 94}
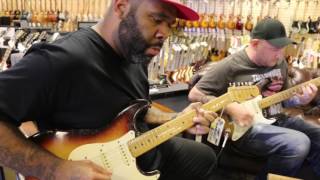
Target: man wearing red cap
{"x": 83, "y": 81}
{"x": 289, "y": 141}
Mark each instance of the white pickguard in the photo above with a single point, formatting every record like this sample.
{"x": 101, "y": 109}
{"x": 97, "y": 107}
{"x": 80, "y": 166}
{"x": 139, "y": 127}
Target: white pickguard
{"x": 114, "y": 156}
{"x": 253, "y": 105}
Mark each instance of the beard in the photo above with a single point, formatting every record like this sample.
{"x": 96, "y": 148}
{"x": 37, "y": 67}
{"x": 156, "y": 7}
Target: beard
{"x": 132, "y": 42}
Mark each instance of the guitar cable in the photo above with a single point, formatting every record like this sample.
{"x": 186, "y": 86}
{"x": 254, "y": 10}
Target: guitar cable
{"x": 225, "y": 139}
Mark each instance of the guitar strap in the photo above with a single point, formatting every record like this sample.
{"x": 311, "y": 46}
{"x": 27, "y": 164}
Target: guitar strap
{"x": 139, "y": 125}
{"x": 262, "y": 84}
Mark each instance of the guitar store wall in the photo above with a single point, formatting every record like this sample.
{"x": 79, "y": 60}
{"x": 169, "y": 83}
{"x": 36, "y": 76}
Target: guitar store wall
{"x": 285, "y": 10}
{"x": 179, "y": 54}
{"x": 91, "y": 10}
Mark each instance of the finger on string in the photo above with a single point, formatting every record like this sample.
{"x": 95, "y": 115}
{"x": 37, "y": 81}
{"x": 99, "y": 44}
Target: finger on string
{"x": 201, "y": 121}
{"x": 196, "y": 106}
{"x": 199, "y": 111}
{"x": 200, "y": 130}
{"x": 308, "y": 90}
{"x": 214, "y": 114}
{"x": 313, "y": 87}
{"x": 210, "y": 116}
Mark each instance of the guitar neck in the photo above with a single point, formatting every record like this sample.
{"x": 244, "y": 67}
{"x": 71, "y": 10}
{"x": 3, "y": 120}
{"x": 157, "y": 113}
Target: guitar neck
{"x": 284, "y": 95}
{"x": 152, "y": 138}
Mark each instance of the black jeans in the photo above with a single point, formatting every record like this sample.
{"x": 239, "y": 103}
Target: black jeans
{"x": 180, "y": 158}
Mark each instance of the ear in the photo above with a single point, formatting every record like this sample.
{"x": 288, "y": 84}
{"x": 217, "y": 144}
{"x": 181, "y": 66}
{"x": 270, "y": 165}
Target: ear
{"x": 254, "y": 42}
{"x": 121, "y": 8}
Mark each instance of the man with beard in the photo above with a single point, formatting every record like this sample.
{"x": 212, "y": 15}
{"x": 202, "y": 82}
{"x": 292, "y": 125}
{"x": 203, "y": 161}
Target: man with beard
{"x": 84, "y": 80}
{"x": 287, "y": 142}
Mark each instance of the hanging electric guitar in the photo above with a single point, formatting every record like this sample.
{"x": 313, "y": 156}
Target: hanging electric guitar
{"x": 116, "y": 147}
{"x": 239, "y": 23}
{"x": 24, "y": 11}
{"x": 5, "y": 60}
{"x": 249, "y": 24}
{"x": 304, "y": 29}
{"x": 17, "y": 12}
{"x": 296, "y": 24}
{"x": 257, "y": 104}
{"x": 231, "y": 24}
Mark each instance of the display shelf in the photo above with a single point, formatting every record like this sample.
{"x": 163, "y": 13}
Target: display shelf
{"x": 171, "y": 89}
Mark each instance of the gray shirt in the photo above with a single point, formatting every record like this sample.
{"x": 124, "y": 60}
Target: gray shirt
{"x": 238, "y": 68}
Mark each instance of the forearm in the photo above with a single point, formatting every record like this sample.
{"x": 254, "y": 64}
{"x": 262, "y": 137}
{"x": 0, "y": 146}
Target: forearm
{"x": 196, "y": 95}
{"x": 157, "y": 116}
{"x": 24, "y": 156}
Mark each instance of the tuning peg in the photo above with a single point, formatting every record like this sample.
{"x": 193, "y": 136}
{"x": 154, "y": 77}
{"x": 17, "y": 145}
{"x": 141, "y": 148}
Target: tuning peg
{"x": 232, "y": 84}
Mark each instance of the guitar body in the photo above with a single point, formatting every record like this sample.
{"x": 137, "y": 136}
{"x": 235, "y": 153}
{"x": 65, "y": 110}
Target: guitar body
{"x": 253, "y": 105}
{"x": 239, "y": 24}
{"x": 304, "y": 29}
{"x": 107, "y": 147}
{"x": 205, "y": 21}
{"x": 249, "y": 25}
{"x": 296, "y": 26}
{"x": 221, "y": 23}
{"x": 231, "y": 24}
{"x": 212, "y": 22}
{"x": 24, "y": 15}
{"x": 17, "y": 14}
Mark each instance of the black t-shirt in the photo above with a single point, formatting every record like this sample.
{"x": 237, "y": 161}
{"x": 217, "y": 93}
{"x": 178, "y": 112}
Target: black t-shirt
{"x": 76, "y": 82}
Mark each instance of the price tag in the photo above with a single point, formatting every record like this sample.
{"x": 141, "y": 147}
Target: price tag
{"x": 216, "y": 130}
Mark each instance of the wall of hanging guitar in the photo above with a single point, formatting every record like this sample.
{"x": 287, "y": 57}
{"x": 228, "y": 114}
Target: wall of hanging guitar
{"x": 180, "y": 55}
{"x": 306, "y": 52}
{"x": 58, "y": 15}
{"x": 14, "y": 42}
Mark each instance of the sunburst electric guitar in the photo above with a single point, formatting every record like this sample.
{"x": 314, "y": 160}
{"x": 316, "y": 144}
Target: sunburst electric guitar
{"x": 257, "y": 104}
{"x": 116, "y": 147}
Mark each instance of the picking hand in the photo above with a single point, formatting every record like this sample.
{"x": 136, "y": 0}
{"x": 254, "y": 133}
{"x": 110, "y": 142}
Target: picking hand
{"x": 81, "y": 170}
{"x": 240, "y": 114}
{"x": 202, "y": 120}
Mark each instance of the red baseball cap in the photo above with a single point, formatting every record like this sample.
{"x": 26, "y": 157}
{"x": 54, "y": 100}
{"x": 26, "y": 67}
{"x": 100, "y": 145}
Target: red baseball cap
{"x": 183, "y": 11}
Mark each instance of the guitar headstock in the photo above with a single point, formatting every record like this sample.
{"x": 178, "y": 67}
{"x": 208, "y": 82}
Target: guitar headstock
{"x": 243, "y": 93}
